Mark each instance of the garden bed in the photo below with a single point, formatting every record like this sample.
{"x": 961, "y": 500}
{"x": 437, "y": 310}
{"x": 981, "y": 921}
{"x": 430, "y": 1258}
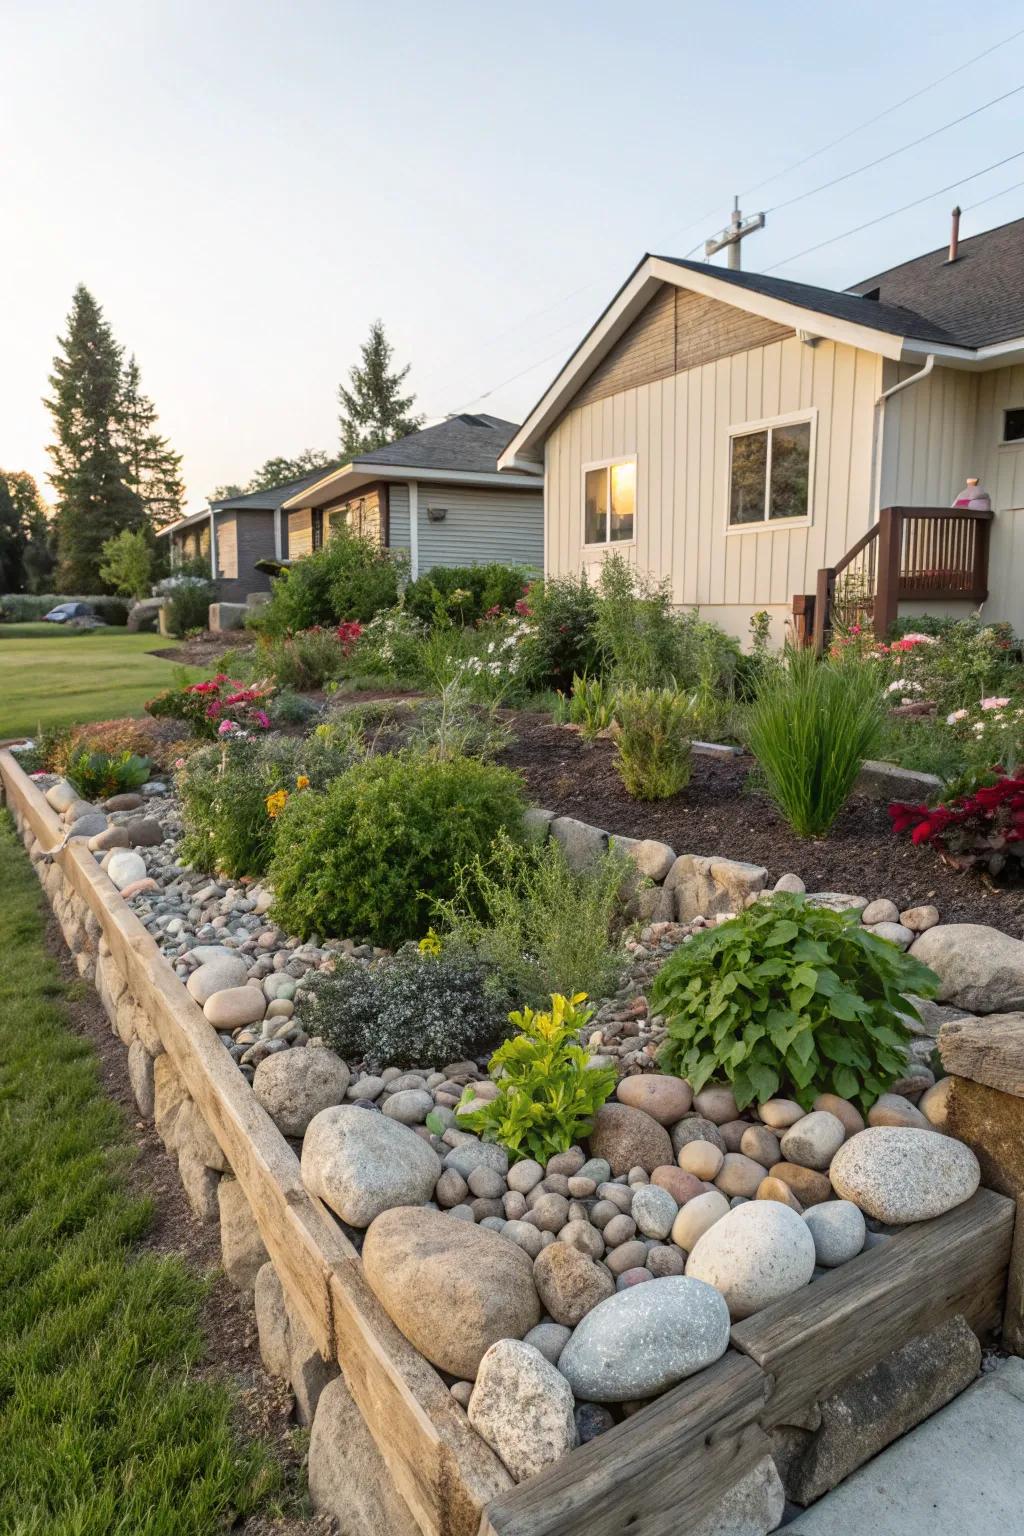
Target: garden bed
{"x": 721, "y": 811}
{"x": 665, "y": 1466}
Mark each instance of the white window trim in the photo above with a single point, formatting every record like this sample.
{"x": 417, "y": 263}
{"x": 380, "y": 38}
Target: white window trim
{"x": 606, "y": 544}
{"x": 1009, "y": 442}
{"x": 776, "y": 524}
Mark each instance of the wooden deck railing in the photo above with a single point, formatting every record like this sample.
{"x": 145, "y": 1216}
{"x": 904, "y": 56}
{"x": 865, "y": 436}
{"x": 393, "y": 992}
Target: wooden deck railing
{"x": 912, "y": 554}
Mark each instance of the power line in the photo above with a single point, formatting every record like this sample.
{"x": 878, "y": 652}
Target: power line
{"x": 892, "y": 153}
{"x": 870, "y": 223}
{"x": 992, "y": 197}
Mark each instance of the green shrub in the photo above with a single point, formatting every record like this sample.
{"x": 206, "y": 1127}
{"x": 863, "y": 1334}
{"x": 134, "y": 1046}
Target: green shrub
{"x": 449, "y": 725}
{"x": 537, "y": 923}
{"x": 637, "y": 632}
{"x": 412, "y": 1009}
{"x": 386, "y": 841}
{"x": 187, "y": 604}
{"x": 591, "y": 707}
{"x": 563, "y": 615}
{"x": 305, "y": 660}
{"x": 129, "y": 560}
{"x": 811, "y": 726}
{"x": 97, "y": 775}
{"x": 390, "y": 647}
{"x": 213, "y": 708}
{"x": 464, "y": 594}
{"x": 290, "y": 708}
{"x": 789, "y": 998}
{"x": 652, "y": 740}
{"x": 548, "y": 1094}
{"x": 349, "y": 578}
{"x": 232, "y": 795}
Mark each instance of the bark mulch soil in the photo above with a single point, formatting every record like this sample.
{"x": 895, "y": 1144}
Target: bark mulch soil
{"x": 722, "y": 812}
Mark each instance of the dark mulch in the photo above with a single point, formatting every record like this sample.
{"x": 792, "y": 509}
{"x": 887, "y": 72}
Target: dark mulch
{"x": 721, "y": 812}
{"x": 203, "y": 650}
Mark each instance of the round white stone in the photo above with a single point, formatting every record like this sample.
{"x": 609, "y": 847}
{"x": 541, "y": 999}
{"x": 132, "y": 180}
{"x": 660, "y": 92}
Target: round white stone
{"x": 761, "y": 1251}
{"x": 899, "y": 1173}
{"x": 125, "y": 867}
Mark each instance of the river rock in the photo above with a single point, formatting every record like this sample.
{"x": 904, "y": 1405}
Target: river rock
{"x": 569, "y": 1283}
{"x": 696, "y": 1128}
{"x": 813, "y": 1141}
{"x": 665, "y": 1099}
{"x": 145, "y": 833}
{"x": 654, "y": 1209}
{"x": 881, "y": 911}
{"x": 124, "y": 867}
{"x": 701, "y": 1160}
{"x": 645, "y": 1339}
{"x": 61, "y": 796}
{"x": 550, "y": 1339}
{"x": 452, "y": 1288}
{"x": 838, "y": 1229}
{"x": 361, "y": 1164}
{"x": 979, "y": 968}
{"x": 894, "y": 1109}
{"x": 217, "y": 976}
{"x": 758, "y": 1253}
{"x": 411, "y": 1106}
{"x": 681, "y": 1185}
{"x": 740, "y": 1175}
{"x": 697, "y": 1216}
{"x": 90, "y": 825}
{"x": 234, "y": 1006}
{"x": 523, "y": 1407}
{"x": 293, "y": 1086}
{"x": 629, "y": 1138}
{"x": 899, "y": 1174}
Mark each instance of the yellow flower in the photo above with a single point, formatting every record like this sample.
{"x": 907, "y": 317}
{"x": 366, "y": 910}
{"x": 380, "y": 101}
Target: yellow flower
{"x": 302, "y": 782}
{"x": 276, "y": 803}
{"x": 431, "y": 945}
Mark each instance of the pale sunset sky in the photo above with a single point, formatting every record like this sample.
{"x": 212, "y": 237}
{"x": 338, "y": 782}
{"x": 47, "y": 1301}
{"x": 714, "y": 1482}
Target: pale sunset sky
{"x": 245, "y": 187}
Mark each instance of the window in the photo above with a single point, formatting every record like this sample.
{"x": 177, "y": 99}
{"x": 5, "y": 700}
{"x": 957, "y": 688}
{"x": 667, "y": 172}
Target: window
{"x": 1013, "y": 425}
{"x": 770, "y": 473}
{"x": 609, "y": 501}
{"x": 318, "y": 528}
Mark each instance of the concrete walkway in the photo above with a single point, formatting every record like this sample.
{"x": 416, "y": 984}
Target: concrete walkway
{"x": 961, "y": 1473}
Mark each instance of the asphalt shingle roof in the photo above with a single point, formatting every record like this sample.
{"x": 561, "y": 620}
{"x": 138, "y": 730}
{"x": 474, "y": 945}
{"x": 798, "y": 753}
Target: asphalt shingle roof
{"x": 466, "y": 442}
{"x": 271, "y": 498}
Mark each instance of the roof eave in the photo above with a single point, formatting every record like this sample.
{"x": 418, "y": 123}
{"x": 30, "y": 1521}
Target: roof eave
{"x": 353, "y": 475}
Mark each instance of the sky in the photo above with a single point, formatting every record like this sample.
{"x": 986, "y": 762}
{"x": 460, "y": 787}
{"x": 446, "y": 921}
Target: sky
{"x": 245, "y": 187}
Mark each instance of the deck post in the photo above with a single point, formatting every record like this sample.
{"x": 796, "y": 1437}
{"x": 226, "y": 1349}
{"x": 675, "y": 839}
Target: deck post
{"x": 887, "y": 595}
{"x": 823, "y": 607}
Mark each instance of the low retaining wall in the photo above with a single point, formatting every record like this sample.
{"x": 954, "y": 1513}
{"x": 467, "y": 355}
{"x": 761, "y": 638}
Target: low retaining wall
{"x": 399, "y": 1450}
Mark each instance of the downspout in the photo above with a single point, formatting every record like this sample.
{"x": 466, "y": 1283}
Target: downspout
{"x": 879, "y": 423}
{"x": 414, "y": 529}
{"x": 213, "y": 546}
{"x": 277, "y": 533}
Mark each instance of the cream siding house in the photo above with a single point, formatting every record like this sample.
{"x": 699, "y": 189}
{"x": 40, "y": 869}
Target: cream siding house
{"x": 738, "y": 434}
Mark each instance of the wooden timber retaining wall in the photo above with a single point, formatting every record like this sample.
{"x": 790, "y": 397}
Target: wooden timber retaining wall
{"x": 656, "y": 1473}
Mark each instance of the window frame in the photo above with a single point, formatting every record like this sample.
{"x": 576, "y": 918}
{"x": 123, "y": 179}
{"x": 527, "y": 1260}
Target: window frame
{"x": 747, "y": 429}
{"x": 608, "y": 464}
{"x": 1010, "y": 442}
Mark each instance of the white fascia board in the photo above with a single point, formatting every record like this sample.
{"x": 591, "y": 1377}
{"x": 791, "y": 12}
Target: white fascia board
{"x": 353, "y": 476}
{"x": 1000, "y": 354}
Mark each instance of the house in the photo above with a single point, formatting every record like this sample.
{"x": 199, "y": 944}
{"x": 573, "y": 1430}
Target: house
{"x": 235, "y": 533}
{"x": 765, "y": 444}
{"x": 436, "y": 494}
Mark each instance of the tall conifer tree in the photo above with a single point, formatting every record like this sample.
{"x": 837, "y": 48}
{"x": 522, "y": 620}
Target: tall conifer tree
{"x": 152, "y": 469}
{"x": 372, "y": 410}
{"x": 94, "y": 499}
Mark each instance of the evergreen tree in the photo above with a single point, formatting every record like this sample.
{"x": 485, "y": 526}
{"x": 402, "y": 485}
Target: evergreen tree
{"x": 94, "y": 499}
{"x": 373, "y": 412}
{"x": 36, "y": 532}
{"x": 12, "y": 542}
{"x": 152, "y": 468}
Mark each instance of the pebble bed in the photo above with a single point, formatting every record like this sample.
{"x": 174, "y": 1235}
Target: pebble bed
{"x": 634, "y": 1254}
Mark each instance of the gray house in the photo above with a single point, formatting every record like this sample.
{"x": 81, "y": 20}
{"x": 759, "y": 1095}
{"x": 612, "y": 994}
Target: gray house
{"x": 436, "y": 494}
{"x": 234, "y": 534}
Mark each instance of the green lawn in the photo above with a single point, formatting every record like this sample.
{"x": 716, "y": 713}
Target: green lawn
{"x": 53, "y": 676}
{"x": 105, "y": 1427}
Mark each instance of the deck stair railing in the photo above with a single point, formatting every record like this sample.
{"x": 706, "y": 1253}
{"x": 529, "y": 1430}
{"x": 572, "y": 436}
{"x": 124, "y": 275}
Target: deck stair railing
{"x": 912, "y": 554}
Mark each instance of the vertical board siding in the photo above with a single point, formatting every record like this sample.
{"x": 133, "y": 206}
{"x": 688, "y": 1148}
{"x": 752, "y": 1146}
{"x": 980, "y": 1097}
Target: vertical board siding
{"x": 480, "y": 527}
{"x": 398, "y": 515}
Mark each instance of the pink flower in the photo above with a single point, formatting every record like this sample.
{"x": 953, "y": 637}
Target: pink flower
{"x": 262, "y": 719}
{"x": 212, "y": 710}
{"x": 179, "y": 763}
{"x": 994, "y": 703}
{"x": 956, "y": 717}
{"x": 226, "y": 727}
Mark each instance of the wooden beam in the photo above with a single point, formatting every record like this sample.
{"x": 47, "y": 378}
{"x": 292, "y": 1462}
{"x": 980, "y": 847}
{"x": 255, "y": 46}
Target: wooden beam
{"x": 988, "y": 1050}
{"x": 814, "y": 1340}
{"x": 890, "y": 530}
{"x": 655, "y": 1474}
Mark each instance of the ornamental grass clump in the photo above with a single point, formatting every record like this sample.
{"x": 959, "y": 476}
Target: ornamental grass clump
{"x": 385, "y": 841}
{"x": 652, "y": 733}
{"x": 811, "y": 726}
{"x": 548, "y": 1094}
{"x": 789, "y": 998}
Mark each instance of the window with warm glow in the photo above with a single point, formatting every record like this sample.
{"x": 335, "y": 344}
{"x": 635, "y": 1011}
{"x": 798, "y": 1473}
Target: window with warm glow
{"x": 609, "y": 502}
{"x": 770, "y": 474}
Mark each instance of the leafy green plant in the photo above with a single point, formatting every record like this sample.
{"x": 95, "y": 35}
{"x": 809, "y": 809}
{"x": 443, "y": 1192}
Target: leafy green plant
{"x": 450, "y": 725}
{"x": 592, "y": 706}
{"x": 563, "y": 614}
{"x": 535, "y": 922}
{"x": 416, "y": 1008}
{"x": 129, "y": 560}
{"x": 349, "y": 578}
{"x": 637, "y": 630}
{"x": 97, "y": 775}
{"x": 188, "y": 594}
{"x": 652, "y": 739}
{"x": 465, "y": 594}
{"x": 811, "y": 726}
{"x": 385, "y": 841}
{"x": 305, "y": 660}
{"x": 548, "y": 1094}
{"x": 789, "y": 997}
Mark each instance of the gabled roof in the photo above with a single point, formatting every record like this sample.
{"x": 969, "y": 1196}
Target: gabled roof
{"x": 271, "y": 497}
{"x": 978, "y": 298}
{"x": 464, "y": 449}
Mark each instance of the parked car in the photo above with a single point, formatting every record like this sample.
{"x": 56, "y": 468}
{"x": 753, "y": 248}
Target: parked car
{"x": 65, "y": 611}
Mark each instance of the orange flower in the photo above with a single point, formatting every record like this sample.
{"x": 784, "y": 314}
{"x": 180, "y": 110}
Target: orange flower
{"x": 276, "y": 803}
{"x": 302, "y": 782}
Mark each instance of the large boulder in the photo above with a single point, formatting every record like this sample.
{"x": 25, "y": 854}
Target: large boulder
{"x": 294, "y": 1086}
{"x": 758, "y": 1253}
{"x": 979, "y": 968}
{"x": 706, "y": 886}
{"x": 646, "y": 1339}
{"x": 523, "y": 1407}
{"x": 360, "y": 1163}
{"x": 899, "y": 1173}
{"x": 629, "y": 1138}
{"x": 452, "y": 1288}
{"x": 348, "y": 1476}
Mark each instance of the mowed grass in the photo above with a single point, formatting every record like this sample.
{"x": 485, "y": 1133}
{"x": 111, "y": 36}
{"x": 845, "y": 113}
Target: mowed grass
{"x": 105, "y": 1429}
{"x": 53, "y": 676}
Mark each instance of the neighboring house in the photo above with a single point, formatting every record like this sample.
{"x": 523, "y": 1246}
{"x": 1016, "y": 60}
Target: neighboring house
{"x": 234, "y": 534}
{"x": 741, "y": 435}
{"x": 436, "y": 494}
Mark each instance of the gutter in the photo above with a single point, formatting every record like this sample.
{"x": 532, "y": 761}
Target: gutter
{"x": 879, "y": 423}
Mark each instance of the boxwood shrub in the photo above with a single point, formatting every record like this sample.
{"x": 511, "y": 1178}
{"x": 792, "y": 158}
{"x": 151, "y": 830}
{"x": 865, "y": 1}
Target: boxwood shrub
{"x": 385, "y": 841}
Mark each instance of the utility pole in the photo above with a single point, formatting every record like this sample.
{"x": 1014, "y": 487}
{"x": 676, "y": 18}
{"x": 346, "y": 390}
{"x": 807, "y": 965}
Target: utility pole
{"x": 736, "y": 231}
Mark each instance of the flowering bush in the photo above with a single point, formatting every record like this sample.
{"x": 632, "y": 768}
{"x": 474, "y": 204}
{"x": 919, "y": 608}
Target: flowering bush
{"x": 96, "y": 775}
{"x": 499, "y": 662}
{"x": 308, "y": 658}
{"x": 218, "y": 707}
{"x": 390, "y": 645}
{"x": 983, "y": 828}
